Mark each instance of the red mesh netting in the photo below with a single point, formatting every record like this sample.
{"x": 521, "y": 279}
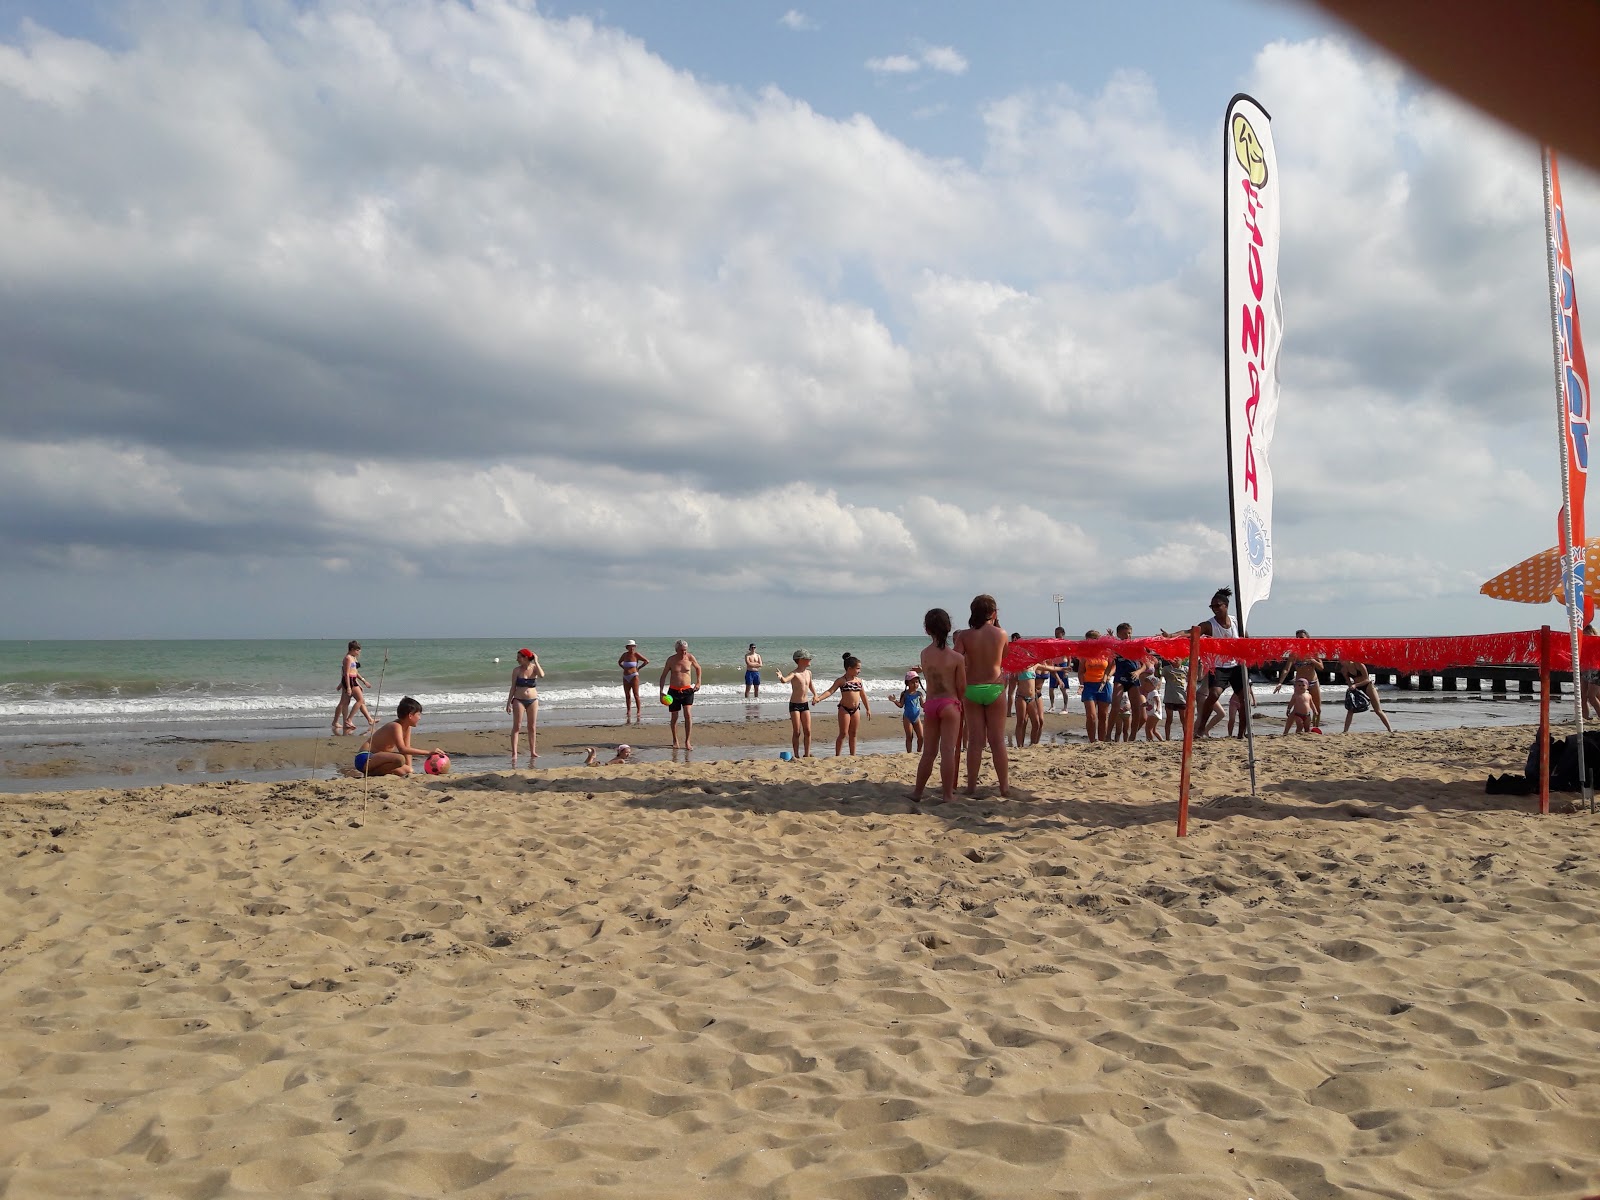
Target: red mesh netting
{"x": 1403, "y": 654}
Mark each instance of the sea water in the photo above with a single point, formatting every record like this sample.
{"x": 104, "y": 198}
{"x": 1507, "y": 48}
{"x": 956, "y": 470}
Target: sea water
{"x": 113, "y": 692}
{"x": 285, "y": 688}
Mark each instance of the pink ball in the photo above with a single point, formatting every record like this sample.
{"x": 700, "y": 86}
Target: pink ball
{"x": 437, "y": 764}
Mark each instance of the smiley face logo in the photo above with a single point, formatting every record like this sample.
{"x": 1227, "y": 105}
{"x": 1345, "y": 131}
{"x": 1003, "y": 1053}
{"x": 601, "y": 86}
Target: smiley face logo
{"x": 1247, "y": 149}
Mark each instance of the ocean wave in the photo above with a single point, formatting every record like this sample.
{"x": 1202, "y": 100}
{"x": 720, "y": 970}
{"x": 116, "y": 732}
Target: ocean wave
{"x": 189, "y": 704}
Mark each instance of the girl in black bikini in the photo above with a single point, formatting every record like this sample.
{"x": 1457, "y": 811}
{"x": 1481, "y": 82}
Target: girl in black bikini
{"x": 524, "y": 698}
{"x": 852, "y": 702}
{"x": 351, "y": 698}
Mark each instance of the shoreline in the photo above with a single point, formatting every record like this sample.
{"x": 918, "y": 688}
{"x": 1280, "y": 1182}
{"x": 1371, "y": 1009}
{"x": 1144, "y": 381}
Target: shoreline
{"x": 145, "y": 758}
{"x": 78, "y": 763}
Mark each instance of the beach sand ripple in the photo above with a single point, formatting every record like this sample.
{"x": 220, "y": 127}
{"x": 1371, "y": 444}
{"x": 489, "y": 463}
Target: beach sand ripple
{"x": 767, "y": 979}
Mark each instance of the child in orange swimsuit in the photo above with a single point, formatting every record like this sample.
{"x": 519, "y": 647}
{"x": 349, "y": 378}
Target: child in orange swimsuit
{"x": 1095, "y": 692}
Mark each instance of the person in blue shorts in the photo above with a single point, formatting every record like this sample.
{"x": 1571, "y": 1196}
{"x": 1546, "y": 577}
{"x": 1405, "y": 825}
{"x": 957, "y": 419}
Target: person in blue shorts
{"x": 1126, "y": 674}
{"x": 752, "y": 673}
{"x": 388, "y": 749}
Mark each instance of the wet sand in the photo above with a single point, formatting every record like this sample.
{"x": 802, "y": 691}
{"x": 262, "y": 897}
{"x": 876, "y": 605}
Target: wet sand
{"x": 175, "y": 759}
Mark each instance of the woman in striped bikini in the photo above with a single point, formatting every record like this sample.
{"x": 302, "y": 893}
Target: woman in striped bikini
{"x": 852, "y": 702}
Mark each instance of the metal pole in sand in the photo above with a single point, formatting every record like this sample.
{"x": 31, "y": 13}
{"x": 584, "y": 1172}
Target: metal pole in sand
{"x": 366, "y": 779}
{"x": 1544, "y": 720}
{"x": 1245, "y": 709}
{"x": 1188, "y": 733}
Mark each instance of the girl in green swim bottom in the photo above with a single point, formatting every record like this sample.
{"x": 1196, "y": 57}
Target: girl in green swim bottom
{"x": 983, "y": 645}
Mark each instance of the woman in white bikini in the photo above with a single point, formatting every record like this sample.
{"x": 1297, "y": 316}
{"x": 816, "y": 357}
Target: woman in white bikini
{"x": 631, "y": 662}
{"x": 523, "y": 700}
{"x": 852, "y": 703}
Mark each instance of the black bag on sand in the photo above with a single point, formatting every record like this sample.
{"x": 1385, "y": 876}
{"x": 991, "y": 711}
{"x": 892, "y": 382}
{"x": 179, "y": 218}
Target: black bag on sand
{"x": 1564, "y": 761}
{"x": 1563, "y": 767}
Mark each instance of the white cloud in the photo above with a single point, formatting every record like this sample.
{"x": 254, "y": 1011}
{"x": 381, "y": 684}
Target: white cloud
{"x": 796, "y": 20}
{"x": 894, "y": 64}
{"x": 436, "y": 287}
{"x": 947, "y": 60}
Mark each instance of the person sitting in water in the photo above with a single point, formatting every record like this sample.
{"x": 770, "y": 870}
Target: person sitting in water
{"x": 624, "y": 754}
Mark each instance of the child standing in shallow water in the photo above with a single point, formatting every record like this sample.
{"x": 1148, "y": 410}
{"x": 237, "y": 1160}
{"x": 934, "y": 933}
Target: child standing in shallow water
{"x": 1299, "y": 718}
{"x": 946, "y": 672}
{"x": 852, "y": 703}
{"x": 802, "y": 695}
{"x": 909, "y": 702}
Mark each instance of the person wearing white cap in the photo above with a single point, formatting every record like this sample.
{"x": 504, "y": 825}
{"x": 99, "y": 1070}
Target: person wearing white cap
{"x": 631, "y": 661}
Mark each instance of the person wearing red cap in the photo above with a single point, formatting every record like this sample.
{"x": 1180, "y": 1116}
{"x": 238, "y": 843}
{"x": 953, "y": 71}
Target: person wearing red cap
{"x": 524, "y": 700}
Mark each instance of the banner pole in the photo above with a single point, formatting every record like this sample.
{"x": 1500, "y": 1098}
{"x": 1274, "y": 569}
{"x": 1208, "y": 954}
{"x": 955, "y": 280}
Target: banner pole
{"x": 1188, "y": 732}
{"x": 1571, "y": 555}
{"x": 1544, "y": 720}
{"x": 1247, "y": 715}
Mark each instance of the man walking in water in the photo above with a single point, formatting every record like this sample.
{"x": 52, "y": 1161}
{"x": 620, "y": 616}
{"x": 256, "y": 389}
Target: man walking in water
{"x": 752, "y": 673}
{"x": 680, "y": 679}
{"x": 983, "y": 645}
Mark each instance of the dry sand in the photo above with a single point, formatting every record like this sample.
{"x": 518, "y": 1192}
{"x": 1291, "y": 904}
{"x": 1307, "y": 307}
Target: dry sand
{"x": 759, "y": 979}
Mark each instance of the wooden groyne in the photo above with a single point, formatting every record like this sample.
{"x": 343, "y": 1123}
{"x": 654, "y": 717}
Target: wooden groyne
{"x": 1498, "y": 681}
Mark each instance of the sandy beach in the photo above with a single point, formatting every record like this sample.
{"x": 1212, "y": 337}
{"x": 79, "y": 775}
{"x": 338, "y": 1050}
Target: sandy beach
{"x": 763, "y": 979}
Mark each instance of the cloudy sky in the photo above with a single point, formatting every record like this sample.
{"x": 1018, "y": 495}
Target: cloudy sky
{"x": 426, "y": 318}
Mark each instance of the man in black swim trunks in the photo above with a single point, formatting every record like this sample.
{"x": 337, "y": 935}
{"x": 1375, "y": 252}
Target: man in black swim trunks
{"x": 680, "y": 679}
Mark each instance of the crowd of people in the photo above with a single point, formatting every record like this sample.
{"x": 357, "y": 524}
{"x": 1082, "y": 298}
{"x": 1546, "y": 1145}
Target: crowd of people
{"x": 958, "y": 694}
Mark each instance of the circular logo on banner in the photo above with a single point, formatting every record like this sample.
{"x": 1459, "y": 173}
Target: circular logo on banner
{"x": 1257, "y": 545}
{"x": 1247, "y": 149}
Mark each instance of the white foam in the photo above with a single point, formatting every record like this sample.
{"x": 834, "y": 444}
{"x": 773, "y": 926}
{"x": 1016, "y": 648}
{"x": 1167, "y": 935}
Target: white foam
{"x": 191, "y": 706}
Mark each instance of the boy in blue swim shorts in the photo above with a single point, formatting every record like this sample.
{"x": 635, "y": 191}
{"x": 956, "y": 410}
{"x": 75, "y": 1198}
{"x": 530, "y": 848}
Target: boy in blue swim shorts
{"x": 389, "y": 750}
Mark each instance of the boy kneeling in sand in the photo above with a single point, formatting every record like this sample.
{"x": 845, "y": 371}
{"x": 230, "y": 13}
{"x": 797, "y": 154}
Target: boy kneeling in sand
{"x": 388, "y": 751}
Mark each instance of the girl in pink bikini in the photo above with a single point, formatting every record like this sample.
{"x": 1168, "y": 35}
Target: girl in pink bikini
{"x": 945, "y": 671}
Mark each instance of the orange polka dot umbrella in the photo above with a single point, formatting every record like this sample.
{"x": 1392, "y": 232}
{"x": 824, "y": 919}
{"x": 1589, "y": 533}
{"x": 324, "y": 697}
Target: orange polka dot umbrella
{"x": 1537, "y": 580}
